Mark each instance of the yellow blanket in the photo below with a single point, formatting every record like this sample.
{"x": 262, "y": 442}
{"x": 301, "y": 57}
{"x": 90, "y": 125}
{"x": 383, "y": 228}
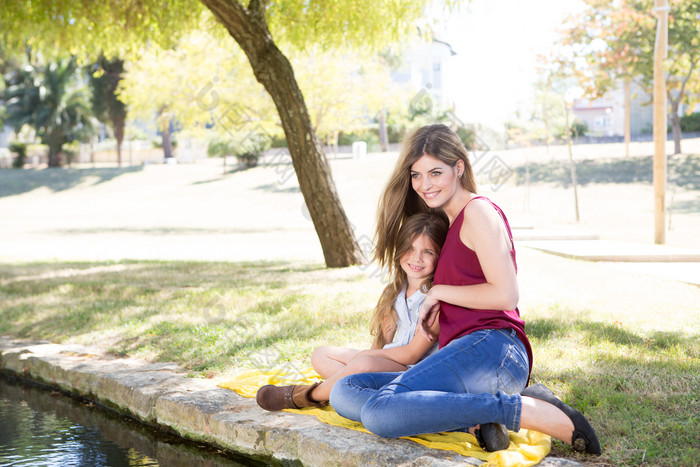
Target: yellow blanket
{"x": 526, "y": 447}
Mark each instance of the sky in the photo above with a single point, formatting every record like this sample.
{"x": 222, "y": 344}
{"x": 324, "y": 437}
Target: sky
{"x": 497, "y": 42}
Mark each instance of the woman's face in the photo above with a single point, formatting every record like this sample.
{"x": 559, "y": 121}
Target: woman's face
{"x": 436, "y": 182}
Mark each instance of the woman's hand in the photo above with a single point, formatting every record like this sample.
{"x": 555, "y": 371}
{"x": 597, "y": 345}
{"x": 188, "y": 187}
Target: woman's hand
{"x": 429, "y": 311}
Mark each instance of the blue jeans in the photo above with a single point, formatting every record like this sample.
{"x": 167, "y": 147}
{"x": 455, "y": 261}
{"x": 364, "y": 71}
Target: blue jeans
{"x": 474, "y": 379}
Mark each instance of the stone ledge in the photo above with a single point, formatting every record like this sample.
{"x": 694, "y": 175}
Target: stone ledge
{"x": 158, "y": 394}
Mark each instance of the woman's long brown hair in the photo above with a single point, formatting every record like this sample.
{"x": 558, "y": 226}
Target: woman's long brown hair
{"x": 399, "y": 200}
{"x": 434, "y": 226}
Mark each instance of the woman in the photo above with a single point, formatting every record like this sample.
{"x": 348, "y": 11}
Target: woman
{"x": 479, "y": 376}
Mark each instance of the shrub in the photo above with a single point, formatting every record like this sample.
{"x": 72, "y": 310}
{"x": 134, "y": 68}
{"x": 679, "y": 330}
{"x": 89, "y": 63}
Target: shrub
{"x": 219, "y": 148}
{"x": 690, "y": 123}
{"x": 467, "y": 136}
{"x": 371, "y": 137}
{"x": 279, "y": 141}
{"x": 247, "y": 151}
{"x": 20, "y": 149}
{"x": 578, "y": 128}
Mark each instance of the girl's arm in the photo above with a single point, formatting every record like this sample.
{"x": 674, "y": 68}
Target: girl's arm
{"x": 484, "y": 232}
{"x": 406, "y": 354}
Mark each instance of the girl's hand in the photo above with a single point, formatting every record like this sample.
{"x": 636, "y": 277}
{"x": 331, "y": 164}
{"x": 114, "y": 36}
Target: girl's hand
{"x": 429, "y": 311}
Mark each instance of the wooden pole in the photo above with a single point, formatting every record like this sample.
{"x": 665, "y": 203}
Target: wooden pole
{"x": 660, "y": 131}
{"x": 572, "y": 166}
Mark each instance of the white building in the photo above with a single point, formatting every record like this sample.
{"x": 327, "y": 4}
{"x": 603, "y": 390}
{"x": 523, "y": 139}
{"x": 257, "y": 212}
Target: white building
{"x": 606, "y": 116}
{"x": 424, "y": 67}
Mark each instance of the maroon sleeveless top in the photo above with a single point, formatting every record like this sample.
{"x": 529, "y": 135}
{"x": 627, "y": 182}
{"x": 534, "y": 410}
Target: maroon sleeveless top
{"x": 459, "y": 265}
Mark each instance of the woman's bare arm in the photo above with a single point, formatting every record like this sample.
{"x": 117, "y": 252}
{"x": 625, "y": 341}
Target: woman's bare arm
{"x": 484, "y": 232}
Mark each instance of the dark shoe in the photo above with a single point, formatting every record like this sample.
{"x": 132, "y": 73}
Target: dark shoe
{"x": 583, "y": 438}
{"x": 275, "y": 398}
{"x": 492, "y": 437}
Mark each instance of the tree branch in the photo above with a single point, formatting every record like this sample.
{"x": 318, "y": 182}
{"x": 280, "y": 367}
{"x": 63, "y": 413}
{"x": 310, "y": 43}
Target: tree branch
{"x": 687, "y": 78}
{"x": 256, "y": 9}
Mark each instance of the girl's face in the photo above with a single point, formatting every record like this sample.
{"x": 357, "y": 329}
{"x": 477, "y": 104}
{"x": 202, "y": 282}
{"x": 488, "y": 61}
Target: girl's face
{"x": 435, "y": 181}
{"x": 419, "y": 261}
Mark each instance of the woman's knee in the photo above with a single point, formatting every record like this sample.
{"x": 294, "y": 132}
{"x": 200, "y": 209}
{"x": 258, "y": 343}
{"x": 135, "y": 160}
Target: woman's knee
{"x": 377, "y": 419}
{"x": 343, "y": 398}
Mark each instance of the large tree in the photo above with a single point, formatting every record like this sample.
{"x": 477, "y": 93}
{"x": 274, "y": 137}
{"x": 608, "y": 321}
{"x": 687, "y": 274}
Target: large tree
{"x": 105, "y": 103}
{"x": 344, "y": 89}
{"x": 613, "y": 40}
{"x": 215, "y": 91}
{"x": 117, "y": 27}
{"x": 54, "y": 100}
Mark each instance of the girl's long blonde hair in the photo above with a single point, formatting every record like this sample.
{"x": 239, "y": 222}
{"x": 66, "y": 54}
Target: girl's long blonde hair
{"x": 434, "y": 226}
{"x": 399, "y": 200}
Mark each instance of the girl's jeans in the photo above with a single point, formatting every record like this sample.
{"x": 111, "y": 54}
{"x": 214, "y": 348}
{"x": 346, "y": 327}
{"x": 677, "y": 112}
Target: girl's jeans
{"x": 465, "y": 384}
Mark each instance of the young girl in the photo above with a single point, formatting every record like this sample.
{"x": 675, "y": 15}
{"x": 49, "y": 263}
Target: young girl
{"x": 396, "y": 344}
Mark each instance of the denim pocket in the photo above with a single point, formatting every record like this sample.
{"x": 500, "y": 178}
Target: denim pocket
{"x": 512, "y": 374}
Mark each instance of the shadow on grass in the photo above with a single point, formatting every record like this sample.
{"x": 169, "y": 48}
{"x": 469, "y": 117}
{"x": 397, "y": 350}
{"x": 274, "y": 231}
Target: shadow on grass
{"x": 685, "y": 206}
{"x": 265, "y": 335}
{"x": 15, "y": 182}
{"x": 683, "y": 171}
{"x": 644, "y": 413}
{"x": 63, "y": 300}
{"x": 639, "y": 392}
{"x": 165, "y": 231}
{"x": 598, "y": 332}
{"x": 278, "y": 188}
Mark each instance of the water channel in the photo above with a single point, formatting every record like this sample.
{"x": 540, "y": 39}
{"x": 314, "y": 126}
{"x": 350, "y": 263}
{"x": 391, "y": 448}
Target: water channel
{"x": 39, "y": 427}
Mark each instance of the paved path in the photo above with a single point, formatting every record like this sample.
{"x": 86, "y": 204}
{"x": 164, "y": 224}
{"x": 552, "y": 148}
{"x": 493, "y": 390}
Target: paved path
{"x": 682, "y": 264}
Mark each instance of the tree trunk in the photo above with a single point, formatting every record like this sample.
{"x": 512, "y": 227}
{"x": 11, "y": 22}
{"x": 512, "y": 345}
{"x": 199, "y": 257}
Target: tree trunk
{"x": 383, "y": 133}
{"x": 118, "y": 127}
{"x": 54, "y": 156}
{"x": 165, "y": 135}
{"x": 272, "y": 69}
{"x": 572, "y": 166}
{"x": 676, "y": 125}
{"x": 55, "y": 142}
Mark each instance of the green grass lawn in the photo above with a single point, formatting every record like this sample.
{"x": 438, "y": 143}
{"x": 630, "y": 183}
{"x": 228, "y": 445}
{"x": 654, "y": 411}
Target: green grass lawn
{"x": 639, "y": 387}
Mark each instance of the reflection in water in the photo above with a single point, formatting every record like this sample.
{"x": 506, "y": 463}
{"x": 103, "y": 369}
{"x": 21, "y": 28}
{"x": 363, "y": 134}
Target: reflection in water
{"x": 39, "y": 428}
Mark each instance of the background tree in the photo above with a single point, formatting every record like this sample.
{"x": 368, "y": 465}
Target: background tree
{"x": 354, "y": 23}
{"x": 344, "y": 89}
{"x": 212, "y": 95}
{"x": 604, "y": 44}
{"x": 53, "y": 100}
{"x": 105, "y": 104}
{"x": 124, "y": 26}
{"x": 612, "y": 41}
{"x": 682, "y": 71}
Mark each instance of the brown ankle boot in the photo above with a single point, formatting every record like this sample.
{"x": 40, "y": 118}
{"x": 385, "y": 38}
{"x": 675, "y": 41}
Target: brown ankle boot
{"x": 275, "y": 398}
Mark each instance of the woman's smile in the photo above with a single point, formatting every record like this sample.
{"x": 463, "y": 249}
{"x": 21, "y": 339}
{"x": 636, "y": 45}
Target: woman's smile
{"x": 431, "y": 178}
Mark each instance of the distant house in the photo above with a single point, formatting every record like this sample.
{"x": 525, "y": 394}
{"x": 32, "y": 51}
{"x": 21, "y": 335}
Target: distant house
{"x": 606, "y": 116}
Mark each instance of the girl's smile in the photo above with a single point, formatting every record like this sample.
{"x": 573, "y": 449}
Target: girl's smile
{"x": 419, "y": 260}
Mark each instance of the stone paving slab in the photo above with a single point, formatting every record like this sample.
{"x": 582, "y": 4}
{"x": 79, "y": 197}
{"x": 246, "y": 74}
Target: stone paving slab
{"x": 531, "y": 234}
{"x": 609, "y": 250}
{"x": 161, "y": 395}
